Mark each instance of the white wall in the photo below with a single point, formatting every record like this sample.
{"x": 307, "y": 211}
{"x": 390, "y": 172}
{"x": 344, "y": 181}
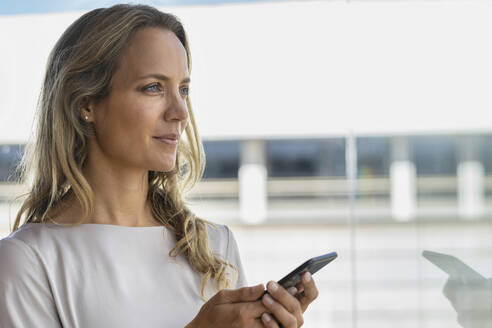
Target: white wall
{"x": 301, "y": 68}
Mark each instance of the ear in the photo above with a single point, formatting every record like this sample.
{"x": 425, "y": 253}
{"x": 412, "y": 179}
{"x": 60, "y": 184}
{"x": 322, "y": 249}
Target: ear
{"x": 86, "y": 110}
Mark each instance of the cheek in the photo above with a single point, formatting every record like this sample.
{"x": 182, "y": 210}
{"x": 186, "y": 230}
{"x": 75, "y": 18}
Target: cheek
{"x": 125, "y": 129}
{"x": 184, "y": 125}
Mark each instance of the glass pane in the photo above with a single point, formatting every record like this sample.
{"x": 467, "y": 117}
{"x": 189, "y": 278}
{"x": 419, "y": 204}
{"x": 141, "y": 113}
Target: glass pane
{"x": 434, "y": 155}
{"x": 306, "y": 158}
{"x": 485, "y": 145}
{"x": 430, "y": 268}
{"x": 222, "y": 159}
{"x": 10, "y": 155}
{"x": 373, "y": 157}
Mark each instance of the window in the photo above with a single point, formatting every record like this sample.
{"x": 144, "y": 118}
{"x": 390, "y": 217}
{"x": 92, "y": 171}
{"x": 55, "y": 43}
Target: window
{"x": 306, "y": 157}
{"x": 485, "y": 151}
{"x": 436, "y": 155}
{"x": 10, "y": 156}
{"x": 222, "y": 159}
{"x": 373, "y": 156}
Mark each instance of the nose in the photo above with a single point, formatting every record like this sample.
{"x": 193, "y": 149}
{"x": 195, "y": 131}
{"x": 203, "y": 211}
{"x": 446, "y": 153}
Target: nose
{"x": 177, "y": 110}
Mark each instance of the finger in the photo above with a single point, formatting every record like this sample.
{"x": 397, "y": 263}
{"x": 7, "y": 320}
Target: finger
{"x": 253, "y": 309}
{"x": 247, "y": 312}
{"x": 300, "y": 287}
{"x": 268, "y": 321}
{"x": 310, "y": 292}
{"x": 245, "y": 294}
{"x": 292, "y": 290}
{"x": 258, "y": 323}
{"x": 282, "y": 316}
{"x": 283, "y": 297}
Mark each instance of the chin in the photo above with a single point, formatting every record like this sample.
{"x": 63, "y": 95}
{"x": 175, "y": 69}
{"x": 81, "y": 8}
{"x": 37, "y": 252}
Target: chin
{"x": 163, "y": 167}
{"x": 162, "y": 164}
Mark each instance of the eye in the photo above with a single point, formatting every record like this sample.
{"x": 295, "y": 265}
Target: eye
{"x": 185, "y": 91}
{"x": 154, "y": 87}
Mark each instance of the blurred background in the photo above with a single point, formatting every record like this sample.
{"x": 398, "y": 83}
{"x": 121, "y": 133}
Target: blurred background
{"x": 361, "y": 127}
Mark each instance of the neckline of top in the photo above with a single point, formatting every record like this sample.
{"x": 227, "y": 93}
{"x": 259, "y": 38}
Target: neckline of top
{"x": 97, "y": 225}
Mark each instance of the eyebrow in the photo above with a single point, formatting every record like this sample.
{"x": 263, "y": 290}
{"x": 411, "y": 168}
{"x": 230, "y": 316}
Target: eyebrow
{"x": 162, "y": 78}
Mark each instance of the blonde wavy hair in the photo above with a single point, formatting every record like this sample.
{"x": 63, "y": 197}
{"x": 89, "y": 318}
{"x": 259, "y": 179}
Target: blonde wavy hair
{"x": 81, "y": 67}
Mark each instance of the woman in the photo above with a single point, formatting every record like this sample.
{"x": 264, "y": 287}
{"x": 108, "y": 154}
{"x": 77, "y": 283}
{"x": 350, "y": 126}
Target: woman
{"x": 107, "y": 240}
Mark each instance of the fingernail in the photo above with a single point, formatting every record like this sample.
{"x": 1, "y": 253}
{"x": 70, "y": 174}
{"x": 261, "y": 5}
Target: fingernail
{"x": 307, "y": 277}
{"x": 292, "y": 291}
{"x": 266, "y": 317}
{"x": 268, "y": 299}
{"x": 273, "y": 286}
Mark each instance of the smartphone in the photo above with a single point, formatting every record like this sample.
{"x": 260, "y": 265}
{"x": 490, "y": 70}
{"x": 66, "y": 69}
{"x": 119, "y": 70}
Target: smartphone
{"x": 453, "y": 266}
{"x": 312, "y": 265}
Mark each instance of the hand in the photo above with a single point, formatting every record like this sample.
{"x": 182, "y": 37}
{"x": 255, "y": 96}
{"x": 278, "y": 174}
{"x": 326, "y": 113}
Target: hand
{"x": 472, "y": 300}
{"x": 307, "y": 291}
{"x": 288, "y": 309}
{"x": 232, "y": 308}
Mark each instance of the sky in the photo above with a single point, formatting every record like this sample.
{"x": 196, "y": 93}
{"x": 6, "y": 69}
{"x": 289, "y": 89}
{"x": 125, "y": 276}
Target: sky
{"x": 16, "y": 7}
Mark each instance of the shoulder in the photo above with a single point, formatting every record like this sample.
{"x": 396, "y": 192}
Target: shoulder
{"x": 218, "y": 236}
{"x": 31, "y": 236}
{"x": 223, "y": 243}
{"x": 22, "y": 236}
{"x": 218, "y": 231}
{"x": 16, "y": 257}
{"x": 222, "y": 240}
{"x": 12, "y": 248}
{"x": 30, "y": 245}
{"x": 24, "y": 284}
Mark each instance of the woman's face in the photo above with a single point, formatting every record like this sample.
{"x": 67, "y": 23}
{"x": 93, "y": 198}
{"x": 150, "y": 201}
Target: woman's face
{"x": 146, "y": 105}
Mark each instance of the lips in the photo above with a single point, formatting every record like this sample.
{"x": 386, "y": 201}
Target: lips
{"x": 171, "y": 138}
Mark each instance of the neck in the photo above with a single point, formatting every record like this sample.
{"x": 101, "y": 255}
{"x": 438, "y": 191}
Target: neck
{"x": 120, "y": 195}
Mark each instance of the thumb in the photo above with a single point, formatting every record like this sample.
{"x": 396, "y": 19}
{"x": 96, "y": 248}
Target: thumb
{"x": 245, "y": 294}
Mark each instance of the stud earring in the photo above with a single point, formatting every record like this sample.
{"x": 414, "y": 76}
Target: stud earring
{"x": 86, "y": 117}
